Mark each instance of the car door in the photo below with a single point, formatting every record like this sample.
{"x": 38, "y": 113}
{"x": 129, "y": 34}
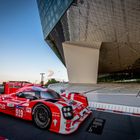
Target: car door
{"x": 12, "y": 105}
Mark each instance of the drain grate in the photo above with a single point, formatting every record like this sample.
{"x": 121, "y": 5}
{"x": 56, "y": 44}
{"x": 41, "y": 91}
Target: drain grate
{"x": 96, "y": 126}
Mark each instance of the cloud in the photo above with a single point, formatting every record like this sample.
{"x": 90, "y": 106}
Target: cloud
{"x": 50, "y": 73}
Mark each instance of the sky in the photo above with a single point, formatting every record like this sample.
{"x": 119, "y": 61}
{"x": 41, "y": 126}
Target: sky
{"x": 23, "y": 51}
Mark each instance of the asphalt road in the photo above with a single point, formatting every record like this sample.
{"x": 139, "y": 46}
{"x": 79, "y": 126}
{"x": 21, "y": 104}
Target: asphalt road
{"x": 117, "y": 127}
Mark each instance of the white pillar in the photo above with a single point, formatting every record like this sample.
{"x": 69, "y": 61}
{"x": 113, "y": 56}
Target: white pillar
{"x": 82, "y": 62}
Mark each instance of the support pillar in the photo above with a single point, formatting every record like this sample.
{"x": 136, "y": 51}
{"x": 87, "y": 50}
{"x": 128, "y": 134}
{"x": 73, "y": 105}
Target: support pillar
{"x": 82, "y": 62}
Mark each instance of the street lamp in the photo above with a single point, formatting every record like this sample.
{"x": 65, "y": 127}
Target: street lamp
{"x": 42, "y": 78}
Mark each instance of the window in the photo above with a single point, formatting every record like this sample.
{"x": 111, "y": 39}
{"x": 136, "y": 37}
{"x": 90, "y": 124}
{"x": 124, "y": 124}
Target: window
{"x": 50, "y": 94}
{"x": 28, "y": 95}
{"x": 52, "y": 10}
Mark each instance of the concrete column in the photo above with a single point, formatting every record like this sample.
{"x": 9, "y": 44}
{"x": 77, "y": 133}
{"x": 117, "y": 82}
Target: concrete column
{"x": 82, "y": 62}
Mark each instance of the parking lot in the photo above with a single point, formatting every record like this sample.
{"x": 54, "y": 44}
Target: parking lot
{"x": 116, "y": 127}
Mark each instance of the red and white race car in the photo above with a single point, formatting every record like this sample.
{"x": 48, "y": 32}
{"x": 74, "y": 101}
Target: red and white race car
{"x": 46, "y": 108}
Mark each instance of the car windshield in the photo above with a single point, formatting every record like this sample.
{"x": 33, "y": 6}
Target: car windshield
{"x": 50, "y": 94}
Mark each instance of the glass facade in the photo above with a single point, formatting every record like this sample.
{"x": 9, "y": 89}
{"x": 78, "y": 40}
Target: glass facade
{"x": 50, "y": 13}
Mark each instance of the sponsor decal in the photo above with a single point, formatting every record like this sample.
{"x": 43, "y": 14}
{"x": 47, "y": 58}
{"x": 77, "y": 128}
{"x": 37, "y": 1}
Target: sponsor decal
{"x": 2, "y": 106}
{"x": 28, "y": 110}
{"x": 55, "y": 122}
{"x": 25, "y": 104}
{"x": 19, "y": 106}
{"x": 10, "y": 104}
{"x": 56, "y": 115}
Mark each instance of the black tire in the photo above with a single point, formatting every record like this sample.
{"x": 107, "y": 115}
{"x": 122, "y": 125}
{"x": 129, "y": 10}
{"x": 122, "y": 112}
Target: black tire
{"x": 41, "y": 116}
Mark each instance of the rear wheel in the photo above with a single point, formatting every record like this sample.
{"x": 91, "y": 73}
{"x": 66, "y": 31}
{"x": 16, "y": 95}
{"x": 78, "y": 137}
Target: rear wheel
{"x": 41, "y": 116}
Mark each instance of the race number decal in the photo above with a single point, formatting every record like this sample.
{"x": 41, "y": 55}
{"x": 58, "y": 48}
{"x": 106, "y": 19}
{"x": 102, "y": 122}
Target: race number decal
{"x": 19, "y": 113}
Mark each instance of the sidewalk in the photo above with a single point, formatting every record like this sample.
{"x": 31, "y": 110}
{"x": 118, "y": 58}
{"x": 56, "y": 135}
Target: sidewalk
{"x": 120, "y": 94}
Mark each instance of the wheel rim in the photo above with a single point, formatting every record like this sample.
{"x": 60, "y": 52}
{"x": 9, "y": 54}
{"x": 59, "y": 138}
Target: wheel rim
{"x": 42, "y": 115}
{"x": 42, "y": 118}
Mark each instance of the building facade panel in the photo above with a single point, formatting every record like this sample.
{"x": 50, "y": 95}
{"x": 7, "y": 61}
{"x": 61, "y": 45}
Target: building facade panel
{"x": 115, "y": 23}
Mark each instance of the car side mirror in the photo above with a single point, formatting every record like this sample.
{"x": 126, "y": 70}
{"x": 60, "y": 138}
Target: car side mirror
{"x": 62, "y": 90}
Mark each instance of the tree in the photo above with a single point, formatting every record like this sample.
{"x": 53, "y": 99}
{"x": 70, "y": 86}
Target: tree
{"x": 51, "y": 81}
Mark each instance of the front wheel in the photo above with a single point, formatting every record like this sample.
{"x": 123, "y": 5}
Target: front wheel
{"x": 41, "y": 116}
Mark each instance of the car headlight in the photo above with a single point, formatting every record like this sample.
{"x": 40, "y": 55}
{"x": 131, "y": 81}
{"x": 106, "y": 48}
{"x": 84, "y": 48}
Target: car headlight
{"x": 67, "y": 112}
{"x": 64, "y": 109}
{"x": 68, "y": 109}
